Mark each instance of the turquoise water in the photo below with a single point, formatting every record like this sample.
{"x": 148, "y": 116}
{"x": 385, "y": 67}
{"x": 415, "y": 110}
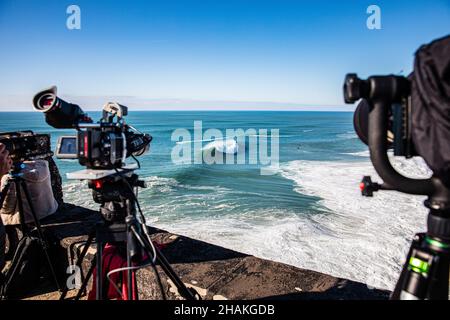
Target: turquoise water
{"x": 303, "y": 136}
{"x": 308, "y": 213}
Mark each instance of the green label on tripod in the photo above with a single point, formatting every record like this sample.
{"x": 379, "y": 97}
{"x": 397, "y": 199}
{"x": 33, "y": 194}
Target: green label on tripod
{"x": 437, "y": 243}
{"x": 418, "y": 265}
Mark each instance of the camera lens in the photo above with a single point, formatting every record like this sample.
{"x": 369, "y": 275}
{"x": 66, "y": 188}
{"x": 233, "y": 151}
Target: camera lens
{"x": 46, "y": 102}
{"x": 137, "y": 144}
{"x": 361, "y": 121}
{"x": 58, "y": 113}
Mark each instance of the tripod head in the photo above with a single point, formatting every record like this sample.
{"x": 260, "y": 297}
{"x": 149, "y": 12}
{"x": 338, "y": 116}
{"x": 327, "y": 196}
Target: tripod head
{"x": 115, "y": 194}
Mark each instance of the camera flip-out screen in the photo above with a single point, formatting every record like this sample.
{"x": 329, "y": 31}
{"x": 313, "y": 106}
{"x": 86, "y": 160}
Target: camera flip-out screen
{"x": 67, "y": 148}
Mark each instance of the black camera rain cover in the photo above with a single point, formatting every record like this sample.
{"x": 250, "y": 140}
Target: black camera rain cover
{"x": 430, "y": 107}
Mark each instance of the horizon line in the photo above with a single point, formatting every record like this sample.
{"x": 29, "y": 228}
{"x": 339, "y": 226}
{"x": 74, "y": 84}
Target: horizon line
{"x": 89, "y": 103}
{"x": 196, "y": 110}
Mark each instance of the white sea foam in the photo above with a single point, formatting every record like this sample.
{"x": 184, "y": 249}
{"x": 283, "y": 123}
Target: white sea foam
{"x": 364, "y": 239}
{"x": 78, "y": 193}
{"x": 229, "y": 146}
{"x": 364, "y": 153}
{"x": 347, "y": 135}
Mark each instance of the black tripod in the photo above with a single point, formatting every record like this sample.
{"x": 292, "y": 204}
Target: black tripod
{"x": 21, "y": 185}
{"x": 121, "y": 225}
{"x": 425, "y": 275}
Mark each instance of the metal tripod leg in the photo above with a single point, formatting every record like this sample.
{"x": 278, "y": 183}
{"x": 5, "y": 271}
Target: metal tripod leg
{"x": 86, "y": 279}
{"x": 98, "y": 278}
{"x": 80, "y": 261}
{"x": 88, "y": 276}
{"x": 97, "y": 263}
{"x": 85, "y": 282}
{"x": 129, "y": 264}
{"x": 165, "y": 265}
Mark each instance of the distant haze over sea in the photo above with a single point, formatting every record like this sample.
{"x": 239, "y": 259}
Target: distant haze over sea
{"x": 23, "y": 103}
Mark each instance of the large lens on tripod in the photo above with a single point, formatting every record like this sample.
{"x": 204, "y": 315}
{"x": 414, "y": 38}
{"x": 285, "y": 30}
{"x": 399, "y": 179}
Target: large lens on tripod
{"x": 58, "y": 113}
{"x": 46, "y": 102}
{"x": 361, "y": 121}
{"x": 137, "y": 143}
{"x": 361, "y": 124}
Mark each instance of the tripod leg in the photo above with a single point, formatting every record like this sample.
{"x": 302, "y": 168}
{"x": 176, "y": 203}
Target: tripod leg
{"x": 39, "y": 230}
{"x": 86, "y": 279}
{"x": 98, "y": 279}
{"x": 132, "y": 248}
{"x": 23, "y": 225}
{"x": 135, "y": 286}
{"x": 165, "y": 265}
{"x": 80, "y": 260}
{"x": 129, "y": 264}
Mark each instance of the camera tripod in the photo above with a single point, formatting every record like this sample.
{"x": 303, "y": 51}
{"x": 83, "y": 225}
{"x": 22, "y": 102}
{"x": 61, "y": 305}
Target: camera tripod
{"x": 120, "y": 225}
{"x": 425, "y": 274}
{"x": 21, "y": 185}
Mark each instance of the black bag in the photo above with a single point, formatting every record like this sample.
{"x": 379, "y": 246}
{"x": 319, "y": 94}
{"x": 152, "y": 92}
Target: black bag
{"x": 430, "y": 110}
{"x": 25, "y": 269}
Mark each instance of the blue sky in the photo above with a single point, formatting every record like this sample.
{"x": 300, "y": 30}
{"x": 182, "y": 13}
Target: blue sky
{"x": 214, "y": 54}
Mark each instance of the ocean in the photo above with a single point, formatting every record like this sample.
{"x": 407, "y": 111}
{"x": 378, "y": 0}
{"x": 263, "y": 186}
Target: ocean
{"x": 309, "y": 213}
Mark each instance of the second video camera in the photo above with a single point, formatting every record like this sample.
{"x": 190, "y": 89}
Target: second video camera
{"x": 26, "y": 145}
{"x": 102, "y": 145}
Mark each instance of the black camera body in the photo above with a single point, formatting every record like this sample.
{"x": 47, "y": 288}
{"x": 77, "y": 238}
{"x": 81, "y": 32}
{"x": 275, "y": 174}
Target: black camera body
{"x": 399, "y": 124}
{"x": 26, "y": 145}
{"x": 101, "y": 146}
{"x": 108, "y": 145}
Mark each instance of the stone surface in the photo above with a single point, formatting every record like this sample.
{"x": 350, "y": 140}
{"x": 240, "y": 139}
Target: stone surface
{"x": 214, "y": 272}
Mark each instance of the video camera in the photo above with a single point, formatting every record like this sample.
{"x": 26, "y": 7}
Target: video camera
{"x": 26, "y": 145}
{"x": 100, "y": 146}
{"x": 103, "y": 147}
